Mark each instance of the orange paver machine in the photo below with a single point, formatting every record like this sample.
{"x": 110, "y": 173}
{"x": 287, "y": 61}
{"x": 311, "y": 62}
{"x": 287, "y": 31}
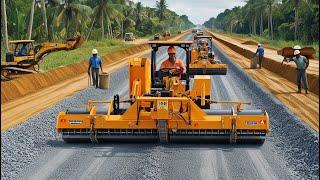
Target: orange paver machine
{"x": 163, "y": 107}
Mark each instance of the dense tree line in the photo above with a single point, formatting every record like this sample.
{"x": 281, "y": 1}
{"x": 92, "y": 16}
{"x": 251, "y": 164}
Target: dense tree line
{"x": 286, "y": 19}
{"x": 95, "y": 19}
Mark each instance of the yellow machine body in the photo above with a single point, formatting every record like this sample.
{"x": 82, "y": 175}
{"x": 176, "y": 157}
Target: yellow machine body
{"x": 179, "y": 116}
{"x": 203, "y": 61}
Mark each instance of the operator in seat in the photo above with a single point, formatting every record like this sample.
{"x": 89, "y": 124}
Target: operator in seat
{"x": 173, "y": 63}
{"x": 24, "y": 50}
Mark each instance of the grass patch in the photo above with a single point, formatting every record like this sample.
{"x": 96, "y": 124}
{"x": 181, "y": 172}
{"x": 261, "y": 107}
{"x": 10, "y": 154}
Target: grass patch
{"x": 63, "y": 58}
{"x": 277, "y": 44}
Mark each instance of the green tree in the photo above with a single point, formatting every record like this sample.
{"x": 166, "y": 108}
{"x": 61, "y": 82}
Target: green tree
{"x": 4, "y": 24}
{"x": 106, "y": 12}
{"x": 72, "y": 15}
{"x": 297, "y": 4}
{"x": 44, "y": 16}
{"x": 270, "y": 5}
{"x": 139, "y": 14}
{"x": 161, "y": 8}
{"x": 31, "y": 19}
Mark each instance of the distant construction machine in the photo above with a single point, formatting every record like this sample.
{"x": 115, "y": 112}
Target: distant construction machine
{"x": 163, "y": 107}
{"x": 17, "y": 63}
{"x": 129, "y": 37}
{"x": 203, "y": 61}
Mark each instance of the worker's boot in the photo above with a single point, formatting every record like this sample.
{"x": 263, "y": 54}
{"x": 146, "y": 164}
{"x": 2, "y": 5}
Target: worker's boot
{"x": 299, "y": 91}
{"x": 306, "y": 91}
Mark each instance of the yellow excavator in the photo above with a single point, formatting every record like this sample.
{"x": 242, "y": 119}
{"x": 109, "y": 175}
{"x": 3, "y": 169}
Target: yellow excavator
{"x": 18, "y": 62}
{"x": 203, "y": 61}
{"x": 163, "y": 107}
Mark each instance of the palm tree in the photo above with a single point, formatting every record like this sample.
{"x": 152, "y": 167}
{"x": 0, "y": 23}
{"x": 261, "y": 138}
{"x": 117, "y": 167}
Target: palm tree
{"x": 31, "y": 19}
{"x": 44, "y": 16}
{"x": 260, "y": 6}
{"x": 105, "y": 11}
{"x": 270, "y": 5}
{"x": 297, "y": 4}
{"x": 138, "y": 14}
{"x": 72, "y": 13}
{"x": 251, "y": 14}
{"x": 128, "y": 12}
{"x": 4, "y": 24}
{"x": 161, "y": 7}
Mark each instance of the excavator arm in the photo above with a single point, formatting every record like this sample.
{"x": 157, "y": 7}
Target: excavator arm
{"x": 45, "y": 48}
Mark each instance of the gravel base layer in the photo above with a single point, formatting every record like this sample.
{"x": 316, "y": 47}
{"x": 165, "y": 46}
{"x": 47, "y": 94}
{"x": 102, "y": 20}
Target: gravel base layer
{"x": 296, "y": 141}
{"x": 290, "y": 152}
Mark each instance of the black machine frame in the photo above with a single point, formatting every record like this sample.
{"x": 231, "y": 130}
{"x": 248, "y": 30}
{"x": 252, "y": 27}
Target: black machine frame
{"x": 186, "y": 45}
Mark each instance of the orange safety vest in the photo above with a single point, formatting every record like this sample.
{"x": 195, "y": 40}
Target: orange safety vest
{"x": 177, "y": 64}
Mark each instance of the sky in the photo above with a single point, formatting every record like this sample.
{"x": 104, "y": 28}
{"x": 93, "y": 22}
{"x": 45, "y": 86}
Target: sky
{"x": 198, "y": 11}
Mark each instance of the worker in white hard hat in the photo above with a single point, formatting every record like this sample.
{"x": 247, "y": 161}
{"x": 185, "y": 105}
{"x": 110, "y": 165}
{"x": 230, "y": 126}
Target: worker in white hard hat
{"x": 260, "y": 52}
{"x": 297, "y": 47}
{"x": 302, "y": 64}
{"x": 94, "y": 64}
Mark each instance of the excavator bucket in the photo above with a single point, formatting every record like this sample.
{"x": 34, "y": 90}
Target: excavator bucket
{"x": 165, "y": 112}
{"x": 75, "y": 42}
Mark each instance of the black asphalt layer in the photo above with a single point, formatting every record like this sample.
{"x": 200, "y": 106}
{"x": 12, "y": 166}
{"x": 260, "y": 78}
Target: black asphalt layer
{"x": 32, "y": 150}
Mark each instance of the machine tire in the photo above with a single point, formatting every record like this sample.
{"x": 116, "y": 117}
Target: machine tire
{"x": 163, "y": 131}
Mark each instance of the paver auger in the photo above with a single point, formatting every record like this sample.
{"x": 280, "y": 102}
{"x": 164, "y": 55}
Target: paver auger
{"x": 163, "y": 107}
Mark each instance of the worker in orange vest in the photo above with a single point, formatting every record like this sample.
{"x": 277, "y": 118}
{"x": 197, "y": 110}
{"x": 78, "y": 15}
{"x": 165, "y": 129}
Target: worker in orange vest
{"x": 173, "y": 62}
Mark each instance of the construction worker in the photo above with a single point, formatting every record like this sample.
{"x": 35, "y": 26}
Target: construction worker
{"x": 24, "y": 50}
{"x": 302, "y": 64}
{"x": 173, "y": 62}
{"x": 203, "y": 45}
{"x": 94, "y": 65}
{"x": 260, "y": 52}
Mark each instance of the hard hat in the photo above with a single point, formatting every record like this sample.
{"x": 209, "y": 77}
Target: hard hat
{"x": 203, "y": 41}
{"x": 171, "y": 50}
{"x": 296, "y": 52}
{"x": 94, "y": 51}
{"x": 297, "y": 47}
{"x": 259, "y": 44}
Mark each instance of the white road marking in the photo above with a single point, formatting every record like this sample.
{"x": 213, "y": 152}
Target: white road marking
{"x": 53, "y": 164}
{"x": 261, "y": 164}
{"x": 92, "y": 170}
{"x": 209, "y": 164}
{"x": 223, "y": 168}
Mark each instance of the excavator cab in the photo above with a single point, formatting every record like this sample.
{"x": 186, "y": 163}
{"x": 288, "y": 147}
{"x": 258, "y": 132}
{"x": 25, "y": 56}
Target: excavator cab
{"x": 27, "y": 61}
{"x": 16, "y": 53}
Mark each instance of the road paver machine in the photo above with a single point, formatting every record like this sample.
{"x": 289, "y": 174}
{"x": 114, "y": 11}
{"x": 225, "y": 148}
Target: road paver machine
{"x": 203, "y": 61}
{"x": 163, "y": 107}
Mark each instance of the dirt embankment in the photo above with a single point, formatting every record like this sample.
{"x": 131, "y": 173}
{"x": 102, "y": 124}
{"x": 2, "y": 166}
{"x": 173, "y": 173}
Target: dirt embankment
{"x": 284, "y": 70}
{"x": 31, "y": 83}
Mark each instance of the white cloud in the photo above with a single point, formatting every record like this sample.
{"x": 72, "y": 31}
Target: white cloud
{"x": 198, "y": 11}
